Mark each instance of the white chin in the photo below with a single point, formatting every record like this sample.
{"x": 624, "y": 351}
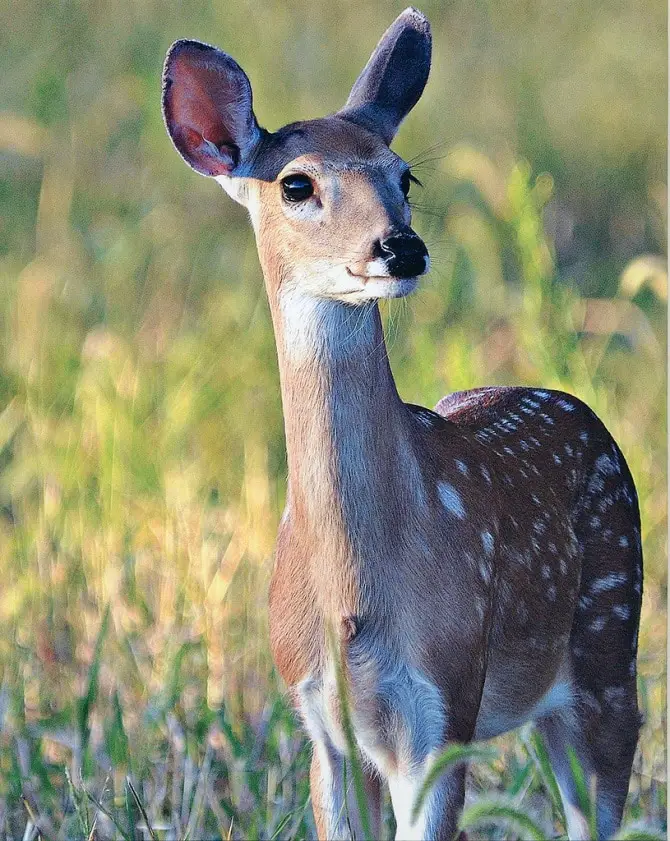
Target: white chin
{"x": 376, "y": 288}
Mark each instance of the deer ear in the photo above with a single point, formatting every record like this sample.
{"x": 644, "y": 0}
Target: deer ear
{"x": 394, "y": 77}
{"x": 207, "y": 107}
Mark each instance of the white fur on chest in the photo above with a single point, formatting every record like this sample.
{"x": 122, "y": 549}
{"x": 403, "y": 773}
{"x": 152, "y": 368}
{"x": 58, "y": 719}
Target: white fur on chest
{"x": 397, "y": 714}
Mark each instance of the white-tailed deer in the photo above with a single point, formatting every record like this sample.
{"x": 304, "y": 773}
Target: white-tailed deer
{"x": 480, "y": 564}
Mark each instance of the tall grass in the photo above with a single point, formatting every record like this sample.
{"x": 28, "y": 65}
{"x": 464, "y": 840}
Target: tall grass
{"x": 142, "y": 463}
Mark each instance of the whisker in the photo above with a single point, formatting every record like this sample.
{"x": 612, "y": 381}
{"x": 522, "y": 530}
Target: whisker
{"x": 426, "y": 161}
{"x": 429, "y": 211}
{"x": 427, "y": 151}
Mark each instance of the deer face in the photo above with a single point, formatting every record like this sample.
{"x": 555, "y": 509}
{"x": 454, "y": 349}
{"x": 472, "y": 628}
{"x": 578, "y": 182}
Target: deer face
{"x": 331, "y": 216}
{"x": 328, "y": 199}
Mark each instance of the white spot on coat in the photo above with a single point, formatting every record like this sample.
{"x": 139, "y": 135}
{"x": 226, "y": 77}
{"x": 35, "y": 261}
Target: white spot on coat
{"x": 485, "y": 572}
{"x": 609, "y": 582}
{"x": 487, "y": 542}
{"x": 451, "y": 499}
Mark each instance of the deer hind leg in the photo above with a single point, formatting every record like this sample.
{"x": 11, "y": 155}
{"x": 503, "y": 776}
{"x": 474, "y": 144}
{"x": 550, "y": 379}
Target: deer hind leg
{"x": 560, "y": 731}
{"x": 603, "y": 737}
{"x": 603, "y": 722}
{"x": 601, "y": 727}
{"x": 334, "y": 802}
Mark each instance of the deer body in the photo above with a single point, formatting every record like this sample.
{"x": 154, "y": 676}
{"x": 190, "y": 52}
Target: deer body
{"x": 468, "y": 569}
{"x": 455, "y": 604}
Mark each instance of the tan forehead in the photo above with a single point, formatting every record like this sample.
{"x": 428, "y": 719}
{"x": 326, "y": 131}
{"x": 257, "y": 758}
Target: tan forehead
{"x": 334, "y": 143}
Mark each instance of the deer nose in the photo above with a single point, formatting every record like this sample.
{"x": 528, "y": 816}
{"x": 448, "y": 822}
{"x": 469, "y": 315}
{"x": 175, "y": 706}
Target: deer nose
{"x": 404, "y": 253}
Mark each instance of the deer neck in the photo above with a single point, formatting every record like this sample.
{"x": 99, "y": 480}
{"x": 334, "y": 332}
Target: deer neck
{"x": 350, "y": 444}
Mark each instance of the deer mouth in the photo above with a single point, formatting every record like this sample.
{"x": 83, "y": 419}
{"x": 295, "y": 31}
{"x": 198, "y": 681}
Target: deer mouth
{"x": 374, "y": 287}
{"x": 390, "y": 278}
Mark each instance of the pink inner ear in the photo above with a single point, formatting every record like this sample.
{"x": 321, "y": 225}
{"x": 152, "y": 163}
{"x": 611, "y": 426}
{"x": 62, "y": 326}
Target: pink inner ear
{"x": 221, "y": 159}
{"x": 205, "y": 102}
{"x": 199, "y": 96}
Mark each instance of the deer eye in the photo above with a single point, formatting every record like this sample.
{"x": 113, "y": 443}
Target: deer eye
{"x": 297, "y": 187}
{"x": 406, "y": 180}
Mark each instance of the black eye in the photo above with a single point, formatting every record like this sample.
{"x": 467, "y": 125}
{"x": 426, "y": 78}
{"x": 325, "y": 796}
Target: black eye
{"x": 406, "y": 180}
{"x": 297, "y": 187}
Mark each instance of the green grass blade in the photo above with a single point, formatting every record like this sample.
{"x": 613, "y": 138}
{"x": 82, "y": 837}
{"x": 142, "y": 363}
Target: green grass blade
{"x": 585, "y": 800}
{"x": 453, "y": 756}
{"x": 352, "y": 748}
{"x": 87, "y": 703}
{"x": 500, "y": 811}
{"x": 538, "y": 753}
{"x": 236, "y": 744}
{"x": 115, "y": 735}
{"x": 79, "y": 802}
{"x": 105, "y": 811}
{"x": 638, "y": 834}
{"x": 130, "y": 816}
{"x": 141, "y": 808}
{"x": 173, "y": 684}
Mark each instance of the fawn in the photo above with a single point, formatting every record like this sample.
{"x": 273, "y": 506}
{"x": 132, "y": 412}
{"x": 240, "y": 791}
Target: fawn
{"x": 478, "y": 565}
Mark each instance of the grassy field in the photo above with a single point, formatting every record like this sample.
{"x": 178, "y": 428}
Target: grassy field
{"x": 142, "y": 463}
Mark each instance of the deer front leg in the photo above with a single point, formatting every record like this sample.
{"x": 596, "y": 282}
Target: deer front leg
{"x": 430, "y": 728}
{"x": 437, "y": 819}
{"x": 335, "y": 807}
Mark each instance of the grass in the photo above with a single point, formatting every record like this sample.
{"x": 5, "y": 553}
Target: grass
{"x": 142, "y": 463}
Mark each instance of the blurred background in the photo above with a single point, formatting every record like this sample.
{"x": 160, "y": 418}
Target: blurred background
{"x": 142, "y": 461}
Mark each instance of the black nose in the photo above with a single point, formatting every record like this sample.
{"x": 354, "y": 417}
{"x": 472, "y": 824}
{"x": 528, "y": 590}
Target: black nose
{"x": 404, "y": 253}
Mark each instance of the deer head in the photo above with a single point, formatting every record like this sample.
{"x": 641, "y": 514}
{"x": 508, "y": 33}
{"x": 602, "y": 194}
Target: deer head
{"x": 327, "y": 198}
